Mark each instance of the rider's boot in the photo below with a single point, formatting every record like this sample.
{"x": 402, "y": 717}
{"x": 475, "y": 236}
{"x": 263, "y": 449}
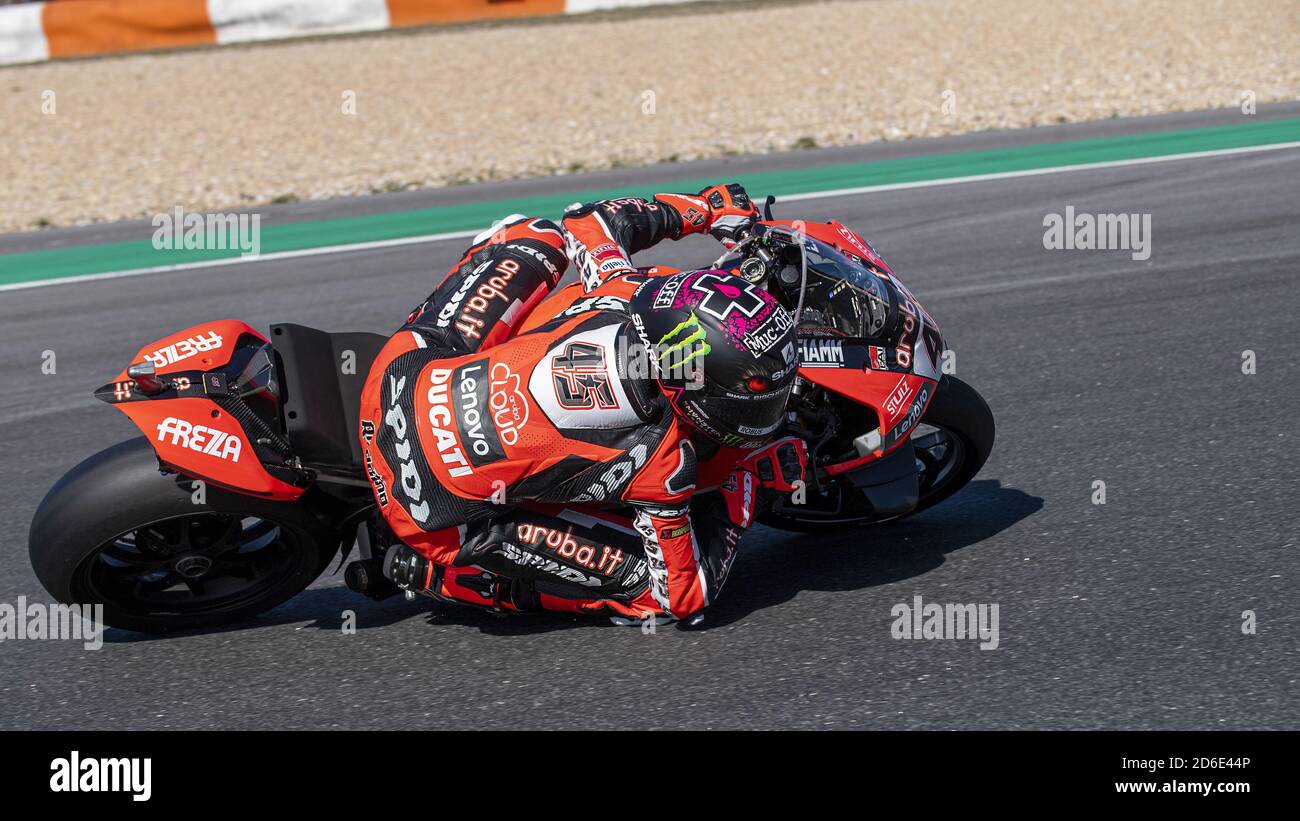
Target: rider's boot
{"x": 415, "y": 574}
{"x": 410, "y": 571}
{"x": 477, "y": 587}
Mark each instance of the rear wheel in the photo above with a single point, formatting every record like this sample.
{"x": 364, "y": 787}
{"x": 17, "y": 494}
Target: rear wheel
{"x": 950, "y": 445}
{"x": 158, "y": 556}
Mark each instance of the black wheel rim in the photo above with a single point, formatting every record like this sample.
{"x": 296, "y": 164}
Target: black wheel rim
{"x": 940, "y": 455}
{"x": 187, "y": 565}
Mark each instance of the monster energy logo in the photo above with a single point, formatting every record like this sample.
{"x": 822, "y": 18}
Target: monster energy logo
{"x": 683, "y": 349}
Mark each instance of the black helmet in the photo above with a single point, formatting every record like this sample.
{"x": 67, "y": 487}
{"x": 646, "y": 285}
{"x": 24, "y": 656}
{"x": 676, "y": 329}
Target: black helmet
{"x": 722, "y": 350}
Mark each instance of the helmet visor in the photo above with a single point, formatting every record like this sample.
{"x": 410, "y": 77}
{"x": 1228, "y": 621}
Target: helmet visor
{"x": 733, "y": 419}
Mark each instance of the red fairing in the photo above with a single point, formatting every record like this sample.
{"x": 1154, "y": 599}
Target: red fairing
{"x": 201, "y": 440}
{"x": 899, "y": 400}
{"x": 189, "y": 431}
{"x": 844, "y": 238}
{"x": 201, "y": 348}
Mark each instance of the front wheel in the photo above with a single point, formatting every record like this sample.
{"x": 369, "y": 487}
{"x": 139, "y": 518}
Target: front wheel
{"x": 159, "y": 556}
{"x": 957, "y": 418}
{"x": 950, "y": 444}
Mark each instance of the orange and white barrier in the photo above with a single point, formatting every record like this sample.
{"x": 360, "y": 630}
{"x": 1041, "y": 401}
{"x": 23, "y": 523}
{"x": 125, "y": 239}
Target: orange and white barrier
{"x": 31, "y": 32}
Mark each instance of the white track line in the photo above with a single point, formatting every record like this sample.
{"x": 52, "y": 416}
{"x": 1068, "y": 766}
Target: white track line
{"x": 1034, "y": 172}
{"x": 213, "y": 263}
{"x": 811, "y": 195}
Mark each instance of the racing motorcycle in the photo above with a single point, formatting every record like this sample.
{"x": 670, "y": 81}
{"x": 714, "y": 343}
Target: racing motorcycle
{"x": 248, "y": 481}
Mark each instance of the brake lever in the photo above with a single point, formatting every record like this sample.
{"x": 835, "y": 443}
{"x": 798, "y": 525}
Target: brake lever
{"x": 739, "y": 247}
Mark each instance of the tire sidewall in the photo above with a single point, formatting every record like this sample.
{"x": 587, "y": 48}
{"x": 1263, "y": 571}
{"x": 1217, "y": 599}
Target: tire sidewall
{"x": 957, "y": 408}
{"x": 120, "y": 489}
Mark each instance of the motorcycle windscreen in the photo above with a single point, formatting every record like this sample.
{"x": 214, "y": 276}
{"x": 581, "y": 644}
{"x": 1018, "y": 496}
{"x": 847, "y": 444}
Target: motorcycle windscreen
{"x": 844, "y": 297}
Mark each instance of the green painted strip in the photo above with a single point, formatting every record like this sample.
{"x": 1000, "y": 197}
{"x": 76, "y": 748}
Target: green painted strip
{"x": 124, "y": 256}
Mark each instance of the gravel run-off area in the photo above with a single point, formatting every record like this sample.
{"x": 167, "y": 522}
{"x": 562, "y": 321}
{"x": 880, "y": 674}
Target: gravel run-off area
{"x": 237, "y": 127}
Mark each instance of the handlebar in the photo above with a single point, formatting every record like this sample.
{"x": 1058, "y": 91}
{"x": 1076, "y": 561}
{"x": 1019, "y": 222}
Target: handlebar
{"x": 765, "y": 255}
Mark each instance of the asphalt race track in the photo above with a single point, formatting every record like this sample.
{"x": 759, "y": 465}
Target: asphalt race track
{"x": 1097, "y": 366}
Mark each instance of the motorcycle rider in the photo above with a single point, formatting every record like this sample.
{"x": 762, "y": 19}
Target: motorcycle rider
{"x": 464, "y": 417}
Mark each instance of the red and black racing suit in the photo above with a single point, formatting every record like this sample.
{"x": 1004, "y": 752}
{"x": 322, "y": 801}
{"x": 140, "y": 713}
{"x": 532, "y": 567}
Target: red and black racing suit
{"x": 463, "y": 420}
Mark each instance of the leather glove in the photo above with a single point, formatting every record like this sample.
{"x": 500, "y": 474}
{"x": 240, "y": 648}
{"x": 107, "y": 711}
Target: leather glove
{"x": 739, "y": 492}
{"x": 731, "y": 212}
{"x": 779, "y": 464}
